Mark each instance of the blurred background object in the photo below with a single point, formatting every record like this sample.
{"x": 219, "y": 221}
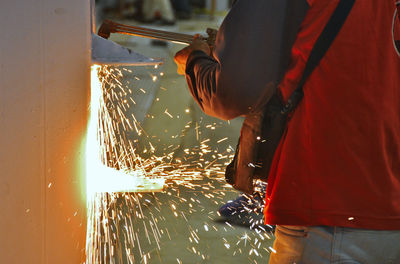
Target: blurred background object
{"x": 149, "y": 11}
{"x": 158, "y": 10}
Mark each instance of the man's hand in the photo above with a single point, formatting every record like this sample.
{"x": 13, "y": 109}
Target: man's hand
{"x": 181, "y": 56}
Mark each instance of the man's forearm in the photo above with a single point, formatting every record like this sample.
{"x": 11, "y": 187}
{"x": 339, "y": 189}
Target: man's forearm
{"x": 200, "y": 76}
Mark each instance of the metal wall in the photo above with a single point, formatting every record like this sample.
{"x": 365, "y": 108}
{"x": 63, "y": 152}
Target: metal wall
{"x": 44, "y": 97}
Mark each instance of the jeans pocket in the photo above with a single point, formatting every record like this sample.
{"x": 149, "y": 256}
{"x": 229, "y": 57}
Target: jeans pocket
{"x": 294, "y": 231}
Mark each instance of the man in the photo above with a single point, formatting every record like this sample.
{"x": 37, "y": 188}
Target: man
{"x": 334, "y": 186}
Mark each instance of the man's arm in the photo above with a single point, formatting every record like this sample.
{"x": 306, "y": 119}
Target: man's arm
{"x": 251, "y": 54}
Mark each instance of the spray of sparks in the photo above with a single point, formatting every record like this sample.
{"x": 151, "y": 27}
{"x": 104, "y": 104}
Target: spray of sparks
{"x": 129, "y": 211}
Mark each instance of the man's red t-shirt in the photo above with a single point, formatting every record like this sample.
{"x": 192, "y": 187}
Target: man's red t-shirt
{"x": 339, "y": 162}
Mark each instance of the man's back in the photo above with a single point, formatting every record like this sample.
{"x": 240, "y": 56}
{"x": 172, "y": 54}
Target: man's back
{"x": 339, "y": 163}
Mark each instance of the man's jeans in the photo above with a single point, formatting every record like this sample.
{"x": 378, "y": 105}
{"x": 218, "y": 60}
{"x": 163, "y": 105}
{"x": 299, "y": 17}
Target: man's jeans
{"x": 334, "y": 245}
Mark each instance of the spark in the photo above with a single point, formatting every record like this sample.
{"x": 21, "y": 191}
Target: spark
{"x": 125, "y": 225}
{"x": 221, "y": 140}
{"x": 168, "y": 114}
{"x": 245, "y": 237}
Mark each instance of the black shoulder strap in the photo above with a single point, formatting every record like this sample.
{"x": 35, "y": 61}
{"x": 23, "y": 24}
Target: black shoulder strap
{"x": 397, "y": 3}
{"x": 321, "y": 46}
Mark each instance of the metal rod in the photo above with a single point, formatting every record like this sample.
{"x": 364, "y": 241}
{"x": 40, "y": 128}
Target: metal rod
{"x": 109, "y": 27}
{"x": 149, "y": 34}
{"x": 113, "y": 27}
{"x": 137, "y": 29}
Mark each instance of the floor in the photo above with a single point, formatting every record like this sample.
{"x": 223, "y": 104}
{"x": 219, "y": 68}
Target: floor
{"x": 181, "y": 223}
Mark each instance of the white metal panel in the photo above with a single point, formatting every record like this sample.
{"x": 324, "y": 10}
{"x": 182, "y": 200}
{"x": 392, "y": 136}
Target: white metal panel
{"x": 44, "y": 82}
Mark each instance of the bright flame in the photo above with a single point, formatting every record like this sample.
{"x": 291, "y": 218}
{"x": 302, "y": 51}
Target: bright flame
{"x": 99, "y": 177}
{"x": 121, "y": 227}
{"x": 105, "y": 184}
{"x": 115, "y": 174}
